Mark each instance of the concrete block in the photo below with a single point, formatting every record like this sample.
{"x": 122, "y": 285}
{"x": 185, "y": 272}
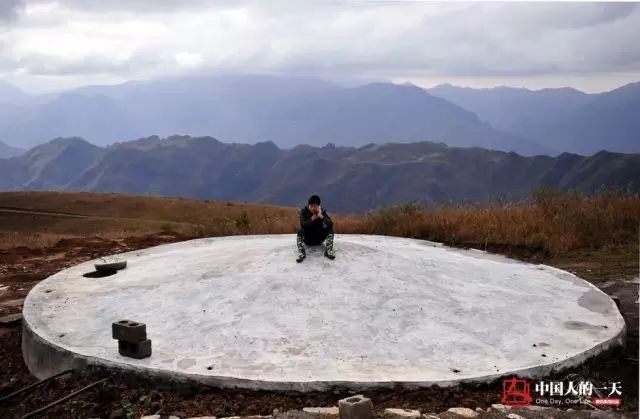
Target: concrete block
{"x": 129, "y": 331}
{"x": 355, "y": 407}
{"x": 401, "y": 413}
{"x": 464, "y": 412}
{"x": 136, "y": 350}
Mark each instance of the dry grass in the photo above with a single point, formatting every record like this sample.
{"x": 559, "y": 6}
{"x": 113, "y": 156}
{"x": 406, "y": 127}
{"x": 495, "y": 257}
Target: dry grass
{"x": 36, "y": 219}
{"x": 551, "y": 224}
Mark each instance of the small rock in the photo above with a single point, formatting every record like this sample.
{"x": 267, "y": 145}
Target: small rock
{"x": 401, "y": 413}
{"x": 464, "y": 411}
{"x": 498, "y": 406}
{"x": 322, "y": 411}
{"x": 151, "y": 417}
{"x": 11, "y": 319}
{"x": 204, "y": 417}
{"x": 536, "y": 408}
{"x": 430, "y": 416}
{"x": 514, "y": 416}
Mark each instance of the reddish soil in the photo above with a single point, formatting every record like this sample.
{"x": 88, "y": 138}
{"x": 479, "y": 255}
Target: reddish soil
{"x": 21, "y": 268}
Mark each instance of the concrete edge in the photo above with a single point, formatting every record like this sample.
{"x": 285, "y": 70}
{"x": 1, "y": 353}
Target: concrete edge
{"x": 44, "y": 359}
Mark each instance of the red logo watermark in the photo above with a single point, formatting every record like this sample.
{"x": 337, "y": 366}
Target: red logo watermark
{"x": 606, "y": 401}
{"x": 516, "y": 392}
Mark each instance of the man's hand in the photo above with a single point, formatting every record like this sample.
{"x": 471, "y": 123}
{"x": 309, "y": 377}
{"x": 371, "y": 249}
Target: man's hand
{"x": 319, "y": 212}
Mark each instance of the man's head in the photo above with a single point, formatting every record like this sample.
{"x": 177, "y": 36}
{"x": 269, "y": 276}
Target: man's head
{"x": 314, "y": 203}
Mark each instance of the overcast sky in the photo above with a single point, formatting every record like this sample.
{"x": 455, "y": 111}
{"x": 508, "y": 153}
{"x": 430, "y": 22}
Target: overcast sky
{"x": 52, "y": 45}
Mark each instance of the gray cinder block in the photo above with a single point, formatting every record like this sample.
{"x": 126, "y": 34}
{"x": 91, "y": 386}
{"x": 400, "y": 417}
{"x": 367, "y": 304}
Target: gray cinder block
{"x": 129, "y": 331}
{"x": 355, "y": 407}
{"x": 136, "y": 350}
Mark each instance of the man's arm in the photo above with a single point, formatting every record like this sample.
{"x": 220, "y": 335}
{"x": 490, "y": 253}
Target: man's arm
{"x": 305, "y": 222}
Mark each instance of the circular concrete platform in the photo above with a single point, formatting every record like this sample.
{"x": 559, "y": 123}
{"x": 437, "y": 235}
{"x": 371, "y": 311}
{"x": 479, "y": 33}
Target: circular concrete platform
{"x": 239, "y": 311}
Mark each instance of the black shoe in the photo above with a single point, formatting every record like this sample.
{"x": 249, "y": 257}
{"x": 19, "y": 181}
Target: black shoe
{"x": 300, "y": 258}
{"x": 328, "y": 255}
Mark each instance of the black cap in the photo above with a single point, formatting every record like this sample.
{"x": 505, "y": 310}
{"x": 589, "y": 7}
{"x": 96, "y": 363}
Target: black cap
{"x": 314, "y": 199}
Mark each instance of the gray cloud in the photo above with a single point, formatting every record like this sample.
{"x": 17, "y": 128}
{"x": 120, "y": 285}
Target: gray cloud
{"x": 135, "y": 38}
{"x": 9, "y": 9}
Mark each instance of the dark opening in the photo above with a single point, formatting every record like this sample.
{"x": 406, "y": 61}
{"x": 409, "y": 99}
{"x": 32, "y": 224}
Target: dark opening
{"x": 99, "y": 274}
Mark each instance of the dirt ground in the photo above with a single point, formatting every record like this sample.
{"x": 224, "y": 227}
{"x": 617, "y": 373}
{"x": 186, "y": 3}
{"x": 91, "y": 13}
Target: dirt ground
{"x": 21, "y": 268}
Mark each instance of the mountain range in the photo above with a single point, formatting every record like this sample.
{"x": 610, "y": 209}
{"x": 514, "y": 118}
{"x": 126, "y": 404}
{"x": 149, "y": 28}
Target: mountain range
{"x": 348, "y": 178}
{"x": 559, "y": 119}
{"x": 301, "y": 110}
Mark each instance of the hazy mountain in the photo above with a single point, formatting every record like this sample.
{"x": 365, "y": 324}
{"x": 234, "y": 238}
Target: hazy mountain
{"x": 348, "y": 178}
{"x": 12, "y": 95}
{"x": 561, "y": 119}
{"x": 249, "y": 109}
{"x": 49, "y": 166}
{"x": 7, "y": 151}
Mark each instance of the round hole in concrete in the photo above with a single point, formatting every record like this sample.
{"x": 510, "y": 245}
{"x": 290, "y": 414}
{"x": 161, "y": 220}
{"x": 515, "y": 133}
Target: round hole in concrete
{"x": 99, "y": 274}
{"x": 209, "y": 368}
{"x": 353, "y": 400}
{"x": 48, "y": 291}
{"x": 133, "y": 324}
{"x": 61, "y": 335}
{"x": 124, "y": 322}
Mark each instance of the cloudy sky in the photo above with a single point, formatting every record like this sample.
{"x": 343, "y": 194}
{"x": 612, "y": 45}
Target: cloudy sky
{"x": 52, "y": 45}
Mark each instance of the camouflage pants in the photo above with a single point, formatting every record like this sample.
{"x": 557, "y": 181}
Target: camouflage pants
{"x": 328, "y": 242}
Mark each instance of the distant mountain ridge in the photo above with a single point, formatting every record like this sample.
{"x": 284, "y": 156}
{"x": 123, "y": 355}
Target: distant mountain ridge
{"x": 251, "y": 108}
{"x": 348, "y": 178}
{"x": 561, "y": 119}
{"x": 303, "y": 110}
{"x": 7, "y": 151}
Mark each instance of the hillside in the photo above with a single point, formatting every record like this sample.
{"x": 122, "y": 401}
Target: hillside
{"x": 348, "y": 178}
{"x": 560, "y": 119}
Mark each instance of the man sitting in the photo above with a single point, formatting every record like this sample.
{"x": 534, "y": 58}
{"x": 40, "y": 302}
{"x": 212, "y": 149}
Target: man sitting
{"x": 315, "y": 227}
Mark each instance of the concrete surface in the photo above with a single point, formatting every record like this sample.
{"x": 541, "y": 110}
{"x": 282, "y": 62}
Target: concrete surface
{"x": 239, "y": 311}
